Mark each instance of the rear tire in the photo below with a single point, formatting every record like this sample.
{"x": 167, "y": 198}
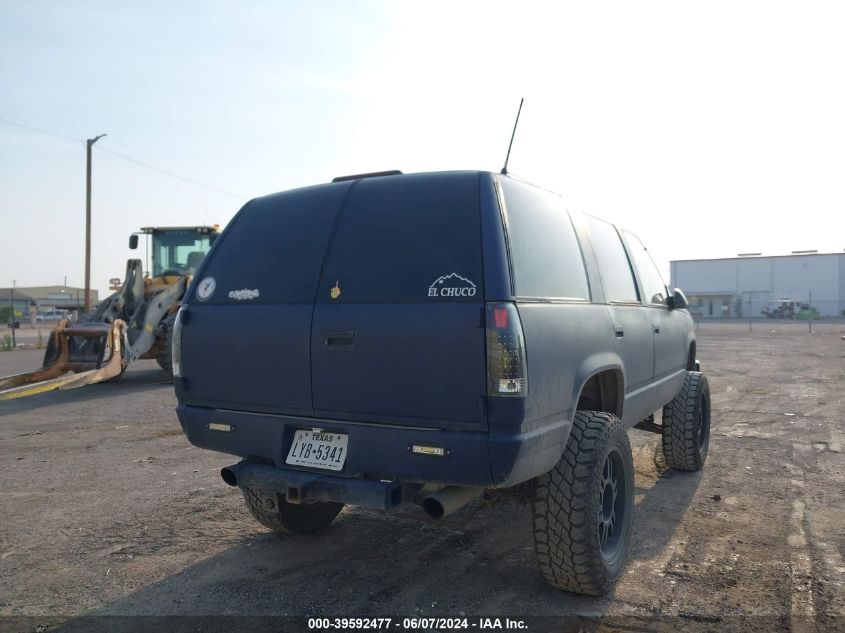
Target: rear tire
{"x": 686, "y": 424}
{"x": 272, "y": 511}
{"x": 583, "y": 507}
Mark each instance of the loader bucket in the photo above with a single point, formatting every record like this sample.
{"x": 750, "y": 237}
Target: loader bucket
{"x": 77, "y": 354}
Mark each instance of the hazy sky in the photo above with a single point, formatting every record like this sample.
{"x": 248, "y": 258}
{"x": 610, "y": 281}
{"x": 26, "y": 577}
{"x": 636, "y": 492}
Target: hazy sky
{"x": 709, "y": 129}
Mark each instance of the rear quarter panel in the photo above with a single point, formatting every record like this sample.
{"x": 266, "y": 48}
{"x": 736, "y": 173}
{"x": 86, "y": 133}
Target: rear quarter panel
{"x": 565, "y": 344}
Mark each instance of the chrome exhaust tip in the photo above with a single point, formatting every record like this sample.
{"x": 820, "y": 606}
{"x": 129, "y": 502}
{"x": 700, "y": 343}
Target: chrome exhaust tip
{"x": 451, "y": 498}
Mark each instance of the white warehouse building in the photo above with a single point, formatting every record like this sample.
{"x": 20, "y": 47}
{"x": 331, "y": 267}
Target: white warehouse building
{"x": 801, "y": 285}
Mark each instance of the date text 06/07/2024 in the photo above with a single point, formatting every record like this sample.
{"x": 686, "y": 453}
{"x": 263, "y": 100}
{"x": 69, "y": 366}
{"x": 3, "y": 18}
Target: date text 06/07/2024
{"x": 416, "y": 623}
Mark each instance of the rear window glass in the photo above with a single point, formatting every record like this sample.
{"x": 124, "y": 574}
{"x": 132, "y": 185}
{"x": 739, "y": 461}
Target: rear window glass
{"x": 614, "y": 267}
{"x": 273, "y": 250}
{"x": 413, "y": 238}
{"x": 546, "y": 257}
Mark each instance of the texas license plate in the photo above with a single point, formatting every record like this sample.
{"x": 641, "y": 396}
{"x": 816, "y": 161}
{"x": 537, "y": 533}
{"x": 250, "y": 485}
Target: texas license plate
{"x": 318, "y": 449}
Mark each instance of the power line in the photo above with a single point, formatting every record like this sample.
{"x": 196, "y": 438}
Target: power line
{"x": 124, "y": 157}
{"x": 40, "y": 131}
{"x": 168, "y": 173}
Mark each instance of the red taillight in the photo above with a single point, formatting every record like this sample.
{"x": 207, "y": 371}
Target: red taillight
{"x": 506, "y": 366}
{"x": 500, "y": 318}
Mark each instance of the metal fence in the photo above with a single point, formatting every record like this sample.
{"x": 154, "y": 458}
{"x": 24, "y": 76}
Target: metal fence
{"x": 767, "y": 313}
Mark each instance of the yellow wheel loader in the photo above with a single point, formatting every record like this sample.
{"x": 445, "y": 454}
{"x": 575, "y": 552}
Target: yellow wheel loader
{"x": 135, "y": 322}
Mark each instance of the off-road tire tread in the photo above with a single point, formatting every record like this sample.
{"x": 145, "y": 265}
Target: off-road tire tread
{"x": 569, "y": 558}
{"x": 165, "y": 358}
{"x": 289, "y": 518}
{"x": 680, "y": 432}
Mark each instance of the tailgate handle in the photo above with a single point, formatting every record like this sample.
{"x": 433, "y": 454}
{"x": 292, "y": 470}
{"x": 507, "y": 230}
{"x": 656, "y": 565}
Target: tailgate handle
{"x": 338, "y": 338}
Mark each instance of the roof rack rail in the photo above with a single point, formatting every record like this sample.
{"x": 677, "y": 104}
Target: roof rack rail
{"x": 373, "y": 174}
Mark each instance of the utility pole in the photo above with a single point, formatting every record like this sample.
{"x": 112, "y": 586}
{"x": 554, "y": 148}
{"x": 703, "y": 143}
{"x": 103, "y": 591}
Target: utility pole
{"x": 89, "y": 143}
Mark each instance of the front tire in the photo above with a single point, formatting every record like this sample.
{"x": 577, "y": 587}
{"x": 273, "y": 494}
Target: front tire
{"x": 583, "y": 507}
{"x": 165, "y": 357}
{"x": 272, "y": 511}
{"x": 686, "y": 424}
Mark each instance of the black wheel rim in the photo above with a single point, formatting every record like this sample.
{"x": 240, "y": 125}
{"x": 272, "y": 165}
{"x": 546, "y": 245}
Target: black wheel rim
{"x": 703, "y": 424}
{"x": 612, "y": 506}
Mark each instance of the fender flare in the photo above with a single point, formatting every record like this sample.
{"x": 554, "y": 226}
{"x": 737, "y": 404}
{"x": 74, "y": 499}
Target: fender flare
{"x": 594, "y": 365}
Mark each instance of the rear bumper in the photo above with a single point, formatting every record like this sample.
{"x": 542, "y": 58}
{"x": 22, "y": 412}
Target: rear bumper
{"x": 380, "y": 452}
{"x": 309, "y": 487}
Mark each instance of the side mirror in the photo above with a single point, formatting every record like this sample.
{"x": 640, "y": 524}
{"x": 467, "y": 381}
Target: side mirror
{"x": 133, "y": 241}
{"x": 678, "y": 300}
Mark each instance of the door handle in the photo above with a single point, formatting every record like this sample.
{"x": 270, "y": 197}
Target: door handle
{"x": 620, "y": 333}
{"x": 657, "y": 329}
{"x": 339, "y": 338}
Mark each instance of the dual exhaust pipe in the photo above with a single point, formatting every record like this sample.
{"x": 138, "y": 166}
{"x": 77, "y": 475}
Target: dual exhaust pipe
{"x": 311, "y": 488}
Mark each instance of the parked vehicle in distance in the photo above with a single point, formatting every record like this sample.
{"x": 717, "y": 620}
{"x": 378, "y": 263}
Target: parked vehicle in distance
{"x": 430, "y": 337}
{"x": 52, "y": 314}
{"x": 787, "y": 309}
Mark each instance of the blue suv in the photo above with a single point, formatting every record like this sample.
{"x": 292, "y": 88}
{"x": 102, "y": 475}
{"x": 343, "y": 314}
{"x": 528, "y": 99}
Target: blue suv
{"x": 389, "y": 339}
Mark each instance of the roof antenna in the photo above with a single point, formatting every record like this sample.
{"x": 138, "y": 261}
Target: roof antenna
{"x": 515, "y": 123}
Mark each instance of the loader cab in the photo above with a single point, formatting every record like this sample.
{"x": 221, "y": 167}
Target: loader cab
{"x": 176, "y": 251}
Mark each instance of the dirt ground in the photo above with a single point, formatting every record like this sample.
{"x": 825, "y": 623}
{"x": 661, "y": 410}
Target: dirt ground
{"x": 105, "y": 508}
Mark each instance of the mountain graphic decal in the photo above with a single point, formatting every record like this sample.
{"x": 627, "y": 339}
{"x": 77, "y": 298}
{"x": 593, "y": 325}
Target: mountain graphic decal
{"x": 452, "y": 285}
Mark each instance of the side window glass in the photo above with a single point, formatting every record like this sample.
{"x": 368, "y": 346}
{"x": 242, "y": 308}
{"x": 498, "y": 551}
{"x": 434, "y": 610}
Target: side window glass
{"x": 614, "y": 267}
{"x": 654, "y": 290}
{"x": 546, "y": 255}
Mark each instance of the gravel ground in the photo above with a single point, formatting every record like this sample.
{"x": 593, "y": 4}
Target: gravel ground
{"x": 107, "y": 509}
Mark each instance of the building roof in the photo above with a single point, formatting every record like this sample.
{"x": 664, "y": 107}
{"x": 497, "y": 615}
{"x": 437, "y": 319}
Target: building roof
{"x": 6, "y": 295}
{"x": 735, "y": 258}
{"x": 44, "y": 293}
